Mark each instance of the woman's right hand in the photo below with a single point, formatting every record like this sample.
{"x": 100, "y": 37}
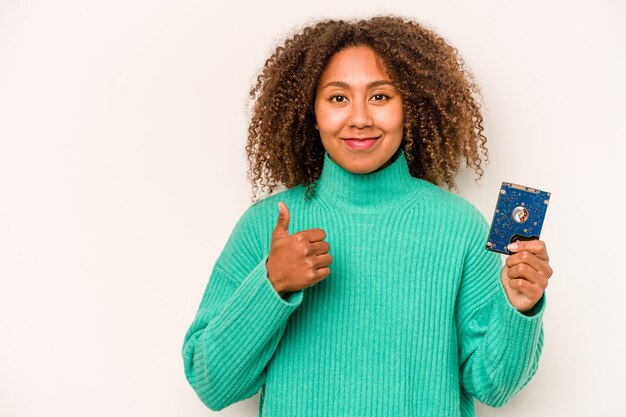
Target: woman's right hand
{"x": 296, "y": 261}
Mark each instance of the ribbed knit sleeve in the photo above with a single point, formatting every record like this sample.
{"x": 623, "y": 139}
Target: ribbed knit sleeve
{"x": 499, "y": 347}
{"x": 238, "y": 325}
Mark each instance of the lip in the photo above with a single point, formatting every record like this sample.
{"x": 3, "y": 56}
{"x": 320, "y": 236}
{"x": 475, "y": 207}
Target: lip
{"x": 360, "y": 143}
{"x": 363, "y": 138}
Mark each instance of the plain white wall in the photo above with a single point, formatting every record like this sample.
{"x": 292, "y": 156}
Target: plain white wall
{"x": 122, "y": 173}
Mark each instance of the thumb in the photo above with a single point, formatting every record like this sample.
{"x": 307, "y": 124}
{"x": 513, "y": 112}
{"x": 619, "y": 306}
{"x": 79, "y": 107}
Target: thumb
{"x": 282, "y": 224}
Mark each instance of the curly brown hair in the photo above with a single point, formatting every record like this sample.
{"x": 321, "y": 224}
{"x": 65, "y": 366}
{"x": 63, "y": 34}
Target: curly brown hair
{"x": 442, "y": 118}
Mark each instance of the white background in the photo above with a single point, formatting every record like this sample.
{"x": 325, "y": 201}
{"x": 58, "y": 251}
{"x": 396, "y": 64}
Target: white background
{"x": 122, "y": 173}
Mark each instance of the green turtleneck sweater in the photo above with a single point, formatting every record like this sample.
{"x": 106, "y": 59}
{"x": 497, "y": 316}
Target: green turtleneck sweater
{"x": 413, "y": 319}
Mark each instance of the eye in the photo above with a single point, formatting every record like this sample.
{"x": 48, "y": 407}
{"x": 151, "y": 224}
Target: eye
{"x": 380, "y": 97}
{"x": 337, "y": 99}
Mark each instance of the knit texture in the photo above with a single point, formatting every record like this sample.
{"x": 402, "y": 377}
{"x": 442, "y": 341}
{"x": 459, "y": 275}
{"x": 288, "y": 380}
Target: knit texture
{"x": 413, "y": 319}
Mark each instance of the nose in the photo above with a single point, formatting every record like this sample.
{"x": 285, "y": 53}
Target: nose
{"x": 360, "y": 116}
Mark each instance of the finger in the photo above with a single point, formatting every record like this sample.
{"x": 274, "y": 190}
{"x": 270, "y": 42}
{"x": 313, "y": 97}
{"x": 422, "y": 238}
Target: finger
{"x": 527, "y": 258}
{"x": 538, "y": 247}
{"x": 320, "y": 248}
{"x": 313, "y": 235}
{"x": 282, "y": 223}
{"x": 526, "y": 272}
{"x": 528, "y": 289}
{"x": 322, "y": 273}
{"x": 323, "y": 261}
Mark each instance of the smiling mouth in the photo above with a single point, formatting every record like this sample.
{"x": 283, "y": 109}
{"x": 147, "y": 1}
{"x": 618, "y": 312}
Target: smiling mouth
{"x": 360, "y": 144}
{"x": 362, "y": 139}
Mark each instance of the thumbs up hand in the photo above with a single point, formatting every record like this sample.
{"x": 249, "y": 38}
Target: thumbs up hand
{"x": 296, "y": 261}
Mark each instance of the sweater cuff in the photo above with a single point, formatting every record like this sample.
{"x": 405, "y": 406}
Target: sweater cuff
{"x": 293, "y": 299}
{"x": 530, "y": 320}
{"x": 257, "y": 296}
{"x": 524, "y": 327}
{"x": 522, "y": 336}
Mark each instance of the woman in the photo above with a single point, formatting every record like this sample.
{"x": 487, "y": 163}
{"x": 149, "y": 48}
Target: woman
{"x": 371, "y": 293}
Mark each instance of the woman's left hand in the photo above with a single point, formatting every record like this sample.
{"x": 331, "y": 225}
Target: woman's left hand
{"x": 526, "y": 273}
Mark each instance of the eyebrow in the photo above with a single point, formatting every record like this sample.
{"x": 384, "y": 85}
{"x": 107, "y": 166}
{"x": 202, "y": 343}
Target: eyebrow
{"x": 345, "y": 85}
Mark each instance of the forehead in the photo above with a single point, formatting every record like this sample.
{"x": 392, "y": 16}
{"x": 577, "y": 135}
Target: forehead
{"x": 353, "y": 65}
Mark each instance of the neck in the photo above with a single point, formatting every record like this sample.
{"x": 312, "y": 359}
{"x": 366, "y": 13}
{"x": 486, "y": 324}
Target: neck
{"x": 374, "y": 192}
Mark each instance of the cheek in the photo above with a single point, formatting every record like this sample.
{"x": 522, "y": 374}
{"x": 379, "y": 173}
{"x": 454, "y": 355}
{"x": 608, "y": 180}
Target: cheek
{"x": 329, "y": 121}
{"x": 393, "y": 118}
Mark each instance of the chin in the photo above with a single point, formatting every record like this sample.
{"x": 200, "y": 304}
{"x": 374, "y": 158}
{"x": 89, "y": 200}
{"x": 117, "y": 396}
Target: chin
{"x": 361, "y": 168}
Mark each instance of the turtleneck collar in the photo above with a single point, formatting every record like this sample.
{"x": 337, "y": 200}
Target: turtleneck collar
{"x": 366, "y": 193}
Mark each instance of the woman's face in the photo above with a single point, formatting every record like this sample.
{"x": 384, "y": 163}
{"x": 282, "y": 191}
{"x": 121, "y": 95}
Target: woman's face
{"x": 358, "y": 111}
